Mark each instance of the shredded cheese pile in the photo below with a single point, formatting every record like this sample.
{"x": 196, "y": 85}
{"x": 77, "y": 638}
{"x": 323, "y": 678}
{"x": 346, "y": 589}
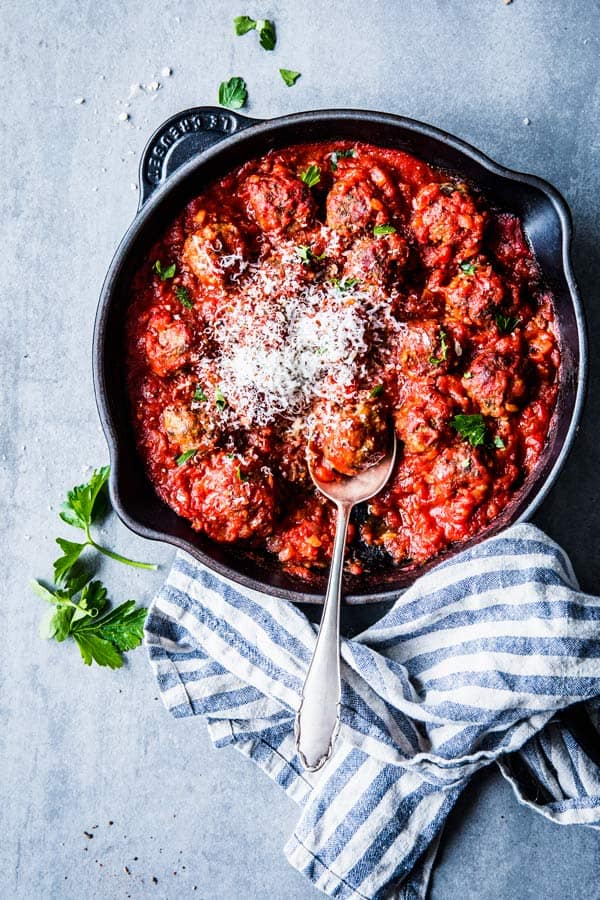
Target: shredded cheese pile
{"x": 284, "y": 341}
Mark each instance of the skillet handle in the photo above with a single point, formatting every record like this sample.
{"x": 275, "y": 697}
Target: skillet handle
{"x": 183, "y": 136}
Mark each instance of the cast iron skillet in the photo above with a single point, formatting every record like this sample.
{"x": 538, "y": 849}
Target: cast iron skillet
{"x": 199, "y": 145}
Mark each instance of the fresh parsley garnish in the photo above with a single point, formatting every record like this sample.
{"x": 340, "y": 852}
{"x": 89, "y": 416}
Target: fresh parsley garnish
{"x": 470, "y": 427}
{"x": 436, "y": 360}
{"x": 80, "y": 609}
{"x": 340, "y": 154}
{"x": 311, "y": 176}
{"x": 84, "y": 505}
{"x": 306, "y": 255}
{"x": 344, "y": 284}
{"x": 499, "y": 443}
{"x": 233, "y": 93}
{"x": 289, "y": 77}
{"x": 468, "y": 268}
{"x": 379, "y": 230}
{"x": 266, "y": 34}
{"x": 199, "y": 394}
{"x": 467, "y": 375}
{"x": 164, "y": 274}
{"x": 242, "y": 476}
{"x": 183, "y": 295}
{"x": 181, "y": 460}
{"x": 506, "y": 324}
{"x": 243, "y": 24}
{"x": 220, "y": 399}
{"x": 377, "y": 391}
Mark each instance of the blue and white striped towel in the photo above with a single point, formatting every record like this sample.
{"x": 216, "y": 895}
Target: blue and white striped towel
{"x": 494, "y": 656}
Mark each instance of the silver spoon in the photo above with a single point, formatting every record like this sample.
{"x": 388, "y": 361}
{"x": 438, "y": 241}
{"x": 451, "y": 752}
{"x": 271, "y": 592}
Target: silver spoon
{"x": 318, "y": 716}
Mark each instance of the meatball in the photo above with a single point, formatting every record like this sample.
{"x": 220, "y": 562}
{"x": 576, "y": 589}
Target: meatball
{"x": 474, "y": 294}
{"x": 167, "y": 342}
{"x": 495, "y": 380}
{"x": 278, "y": 201}
{"x": 304, "y": 539}
{"x": 351, "y": 436}
{"x": 233, "y": 500}
{"x": 215, "y": 253}
{"x": 459, "y": 482}
{"x": 377, "y": 261}
{"x": 189, "y": 429}
{"x": 423, "y": 348}
{"x": 358, "y": 199}
{"x": 421, "y": 417}
{"x": 446, "y": 223}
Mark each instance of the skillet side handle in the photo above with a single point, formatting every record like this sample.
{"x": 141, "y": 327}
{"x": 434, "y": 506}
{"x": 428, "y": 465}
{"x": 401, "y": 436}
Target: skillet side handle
{"x": 181, "y": 137}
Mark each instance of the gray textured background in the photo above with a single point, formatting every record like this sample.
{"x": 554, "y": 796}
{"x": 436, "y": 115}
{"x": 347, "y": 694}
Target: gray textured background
{"x": 82, "y": 747}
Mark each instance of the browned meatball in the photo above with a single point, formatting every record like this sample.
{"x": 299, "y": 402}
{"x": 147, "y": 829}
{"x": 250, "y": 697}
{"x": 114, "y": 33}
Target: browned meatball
{"x": 215, "y": 253}
{"x": 167, "y": 342}
{"x": 421, "y": 417}
{"x": 233, "y": 499}
{"x": 495, "y": 380}
{"x": 278, "y": 201}
{"x": 459, "y": 481}
{"x": 190, "y": 429}
{"x": 474, "y": 294}
{"x": 352, "y": 436}
{"x": 377, "y": 261}
{"x": 446, "y": 223}
{"x": 357, "y": 201}
{"x": 423, "y": 348}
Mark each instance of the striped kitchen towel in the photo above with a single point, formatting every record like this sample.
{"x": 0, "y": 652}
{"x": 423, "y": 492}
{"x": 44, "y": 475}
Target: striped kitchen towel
{"x": 491, "y": 657}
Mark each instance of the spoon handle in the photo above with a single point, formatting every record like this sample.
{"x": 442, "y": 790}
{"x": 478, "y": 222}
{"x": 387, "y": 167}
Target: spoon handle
{"x": 318, "y": 716}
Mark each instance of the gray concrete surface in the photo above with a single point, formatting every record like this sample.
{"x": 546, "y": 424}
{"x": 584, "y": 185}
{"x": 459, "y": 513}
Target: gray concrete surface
{"x": 85, "y": 747}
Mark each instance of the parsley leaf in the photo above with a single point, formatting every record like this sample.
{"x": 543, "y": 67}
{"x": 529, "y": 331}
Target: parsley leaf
{"x": 101, "y": 638}
{"x": 470, "y": 427}
{"x": 243, "y": 24}
{"x": 266, "y": 34}
{"x": 181, "y": 460}
{"x": 289, "y": 77}
{"x": 233, "y": 93}
{"x": 85, "y": 504}
{"x": 311, "y": 176}
{"x": 220, "y": 399}
{"x": 344, "y": 284}
{"x": 377, "y": 391}
{"x": 379, "y": 230}
{"x": 164, "y": 273}
{"x": 468, "y": 268}
{"x": 199, "y": 394}
{"x": 340, "y": 154}
{"x": 436, "y": 360}
{"x": 242, "y": 476}
{"x": 183, "y": 295}
{"x": 306, "y": 255}
{"x": 499, "y": 443}
{"x": 506, "y": 324}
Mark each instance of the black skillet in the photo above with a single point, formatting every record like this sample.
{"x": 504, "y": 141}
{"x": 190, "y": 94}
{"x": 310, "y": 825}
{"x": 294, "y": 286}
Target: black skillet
{"x": 192, "y": 149}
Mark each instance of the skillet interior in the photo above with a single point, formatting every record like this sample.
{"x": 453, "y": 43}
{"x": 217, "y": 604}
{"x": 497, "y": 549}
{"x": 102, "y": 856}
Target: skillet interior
{"x": 546, "y": 221}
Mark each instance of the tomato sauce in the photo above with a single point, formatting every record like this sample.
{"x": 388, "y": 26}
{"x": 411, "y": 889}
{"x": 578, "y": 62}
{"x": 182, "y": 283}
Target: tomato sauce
{"x": 328, "y": 292}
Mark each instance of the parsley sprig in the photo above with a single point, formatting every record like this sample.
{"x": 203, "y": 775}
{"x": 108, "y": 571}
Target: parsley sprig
{"x": 164, "y": 273}
{"x": 380, "y": 230}
{"x": 306, "y": 255}
{"x": 85, "y": 504}
{"x": 506, "y": 324}
{"x": 311, "y": 176}
{"x": 474, "y": 430}
{"x": 233, "y": 93}
{"x": 265, "y": 28}
{"x": 437, "y": 360}
{"x": 340, "y": 154}
{"x": 80, "y": 610}
{"x": 289, "y": 76}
